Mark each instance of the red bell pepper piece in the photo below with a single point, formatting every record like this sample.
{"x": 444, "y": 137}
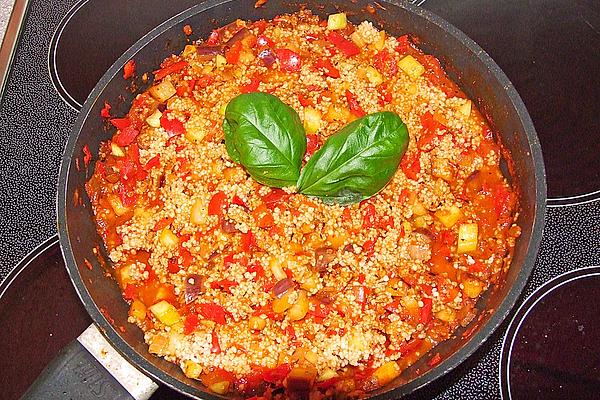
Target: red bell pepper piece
{"x": 258, "y": 269}
{"x": 129, "y": 69}
{"x": 105, "y": 112}
{"x": 275, "y": 197}
{"x": 216, "y": 347}
{"x": 252, "y": 86}
{"x": 361, "y": 292}
{"x": 312, "y": 144}
{"x": 191, "y": 323}
{"x": 232, "y": 55}
{"x": 404, "y": 45}
{"x": 130, "y": 292}
{"x": 126, "y": 136}
{"x": 264, "y": 41}
{"x": 213, "y": 312}
{"x": 385, "y": 63}
{"x": 217, "y": 204}
{"x": 347, "y": 47}
{"x": 173, "y": 265}
{"x": 120, "y": 123}
{"x": 204, "y": 81}
{"x": 174, "y": 127}
{"x": 213, "y": 38}
{"x": 288, "y": 60}
{"x": 277, "y": 375}
{"x": 169, "y": 69}
{"x": 238, "y": 201}
{"x": 410, "y": 346}
{"x": 353, "y": 104}
{"x": 426, "y": 310}
{"x": 325, "y": 65}
{"x": 162, "y": 223}
{"x": 435, "y": 360}
{"x": 369, "y": 247}
{"x": 187, "y": 258}
{"x": 369, "y": 217}
{"x": 154, "y": 162}
{"x": 411, "y": 165}
{"x": 248, "y": 241}
{"x": 186, "y": 88}
{"x": 224, "y": 284}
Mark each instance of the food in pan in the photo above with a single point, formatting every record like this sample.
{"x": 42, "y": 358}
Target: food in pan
{"x": 302, "y": 207}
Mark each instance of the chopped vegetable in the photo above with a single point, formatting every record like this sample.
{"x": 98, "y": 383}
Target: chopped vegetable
{"x": 165, "y": 313}
{"x": 467, "y": 238}
{"x": 336, "y": 21}
{"x": 411, "y": 67}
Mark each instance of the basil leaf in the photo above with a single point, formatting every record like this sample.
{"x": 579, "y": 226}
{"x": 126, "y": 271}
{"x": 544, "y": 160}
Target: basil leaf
{"x": 356, "y": 162}
{"x": 266, "y": 136}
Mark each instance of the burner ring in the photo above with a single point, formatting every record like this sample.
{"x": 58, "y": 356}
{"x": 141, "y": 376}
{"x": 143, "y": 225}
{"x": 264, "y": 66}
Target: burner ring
{"x": 524, "y": 311}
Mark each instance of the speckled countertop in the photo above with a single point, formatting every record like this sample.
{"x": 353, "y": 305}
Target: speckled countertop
{"x": 5, "y": 10}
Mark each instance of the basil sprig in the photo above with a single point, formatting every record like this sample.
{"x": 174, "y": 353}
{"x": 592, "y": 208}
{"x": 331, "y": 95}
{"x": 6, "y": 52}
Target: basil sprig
{"x": 266, "y": 136}
{"x": 356, "y": 162}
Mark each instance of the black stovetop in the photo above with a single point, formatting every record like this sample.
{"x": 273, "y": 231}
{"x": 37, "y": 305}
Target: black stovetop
{"x": 549, "y": 49}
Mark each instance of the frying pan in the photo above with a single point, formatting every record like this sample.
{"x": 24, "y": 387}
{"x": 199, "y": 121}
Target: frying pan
{"x": 85, "y": 257}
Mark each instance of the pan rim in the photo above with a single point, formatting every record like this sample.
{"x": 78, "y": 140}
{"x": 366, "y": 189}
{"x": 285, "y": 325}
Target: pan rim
{"x": 456, "y": 358}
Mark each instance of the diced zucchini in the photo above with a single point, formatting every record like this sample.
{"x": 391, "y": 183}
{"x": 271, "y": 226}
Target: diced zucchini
{"x": 300, "y": 379}
{"x": 256, "y": 323}
{"x": 220, "y": 61}
{"x": 192, "y": 369}
{"x": 327, "y": 374}
{"x": 154, "y": 119}
{"x": 188, "y": 50}
{"x": 465, "y": 109}
{"x": 117, "y": 205}
{"x": 125, "y": 274}
{"x": 449, "y": 216}
{"x": 467, "y": 238}
{"x": 116, "y": 150}
{"x": 358, "y": 39}
{"x": 220, "y": 387}
{"x": 387, "y": 372}
{"x": 446, "y": 314}
{"x": 163, "y": 91}
{"x": 168, "y": 239}
{"x": 411, "y": 67}
{"x": 337, "y": 21}
{"x": 199, "y": 213}
{"x": 165, "y": 312}
{"x": 472, "y": 287}
{"x": 380, "y": 42}
{"x": 418, "y": 208}
{"x": 137, "y": 310}
{"x": 300, "y": 307}
{"x": 374, "y": 76}
{"x": 193, "y": 132}
{"x": 276, "y": 268}
{"x": 281, "y": 304}
{"x": 312, "y": 120}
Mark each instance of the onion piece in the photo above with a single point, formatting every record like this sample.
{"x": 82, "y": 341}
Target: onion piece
{"x": 208, "y": 52}
{"x": 228, "y": 226}
{"x": 323, "y": 257}
{"x": 267, "y": 57}
{"x": 239, "y": 35}
{"x": 193, "y": 287}
{"x": 282, "y": 287}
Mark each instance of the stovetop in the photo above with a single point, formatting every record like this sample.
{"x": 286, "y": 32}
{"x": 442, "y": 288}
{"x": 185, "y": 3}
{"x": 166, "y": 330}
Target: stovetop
{"x": 548, "y": 48}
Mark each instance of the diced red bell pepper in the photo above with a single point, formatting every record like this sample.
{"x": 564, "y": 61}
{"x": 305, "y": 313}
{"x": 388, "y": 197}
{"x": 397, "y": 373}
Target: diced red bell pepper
{"x": 129, "y": 69}
{"x": 263, "y": 216}
{"x": 304, "y": 101}
{"x": 154, "y": 162}
{"x": 385, "y": 63}
{"x": 204, "y": 81}
{"x": 290, "y": 332}
{"x": 187, "y": 258}
{"x": 224, "y": 284}
{"x": 360, "y": 293}
{"x": 169, "y": 69}
{"x": 174, "y": 127}
{"x": 162, "y": 223}
{"x": 186, "y": 88}
{"x": 187, "y": 30}
{"x": 369, "y": 247}
{"x": 105, "y": 112}
{"x": 238, "y": 201}
{"x": 232, "y": 55}
{"x": 353, "y": 104}
{"x": 126, "y": 136}
{"x": 216, "y": 347}
{"x": 426, "y": 310}
{"x": 435, "y": 360}
{"x": 191, "y": 323}
{"x": 252, "y": 86}
{"x": 120, "y": 123}
{"x": 248, "y": 241}
{"x": 213, "y": 312}
{"x": 275, "y": 197}
{"x": 404, "y": 45}
{"x": 369, "y": 217}
{"x": 385, "y": 97}
{"x": 347, "y": 47}
{"x": 325, "y": 65}
{"x": 410, "y": 346}
{"x": 173, "y": 265}
{"x": 289, "y": 60}
{"x": 130, "y": 292}
{"x": 228, "y": 260}
{"x": 393, "y": 306}
{"x": 502, "y": 198}
{"x": 312, "y": 144}
{"x": 264, "y": 41}
{"x": 217, "y": 204}
{"x": 257, "y": 269}
{"x": 278, "y": 374}
{"x": 411, "y": 165}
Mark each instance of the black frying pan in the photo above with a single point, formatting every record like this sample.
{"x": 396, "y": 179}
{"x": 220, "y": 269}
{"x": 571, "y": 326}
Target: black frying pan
{"x": 466, "y": 63}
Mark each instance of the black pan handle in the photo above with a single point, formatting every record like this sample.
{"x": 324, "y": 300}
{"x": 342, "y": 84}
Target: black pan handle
{"x": 89, "y": 368}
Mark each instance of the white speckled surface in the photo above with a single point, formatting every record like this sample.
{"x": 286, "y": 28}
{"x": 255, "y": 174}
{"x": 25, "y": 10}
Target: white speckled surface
{"x": 5, "y": 10}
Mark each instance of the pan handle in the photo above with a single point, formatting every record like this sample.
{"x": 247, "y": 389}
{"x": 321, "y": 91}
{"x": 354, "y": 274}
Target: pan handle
{"x": 89, "y": 368}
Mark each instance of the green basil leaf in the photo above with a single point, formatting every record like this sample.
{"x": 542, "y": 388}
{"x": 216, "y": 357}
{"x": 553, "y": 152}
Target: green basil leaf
{"x": 266, "y": 136}
{"x": 356, "y": 162}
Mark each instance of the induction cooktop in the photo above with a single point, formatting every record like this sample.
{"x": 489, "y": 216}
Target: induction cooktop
{"x": 549, "y": 49}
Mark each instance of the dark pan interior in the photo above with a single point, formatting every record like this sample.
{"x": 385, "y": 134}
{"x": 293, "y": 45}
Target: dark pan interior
{"x": 467, "y": 64}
